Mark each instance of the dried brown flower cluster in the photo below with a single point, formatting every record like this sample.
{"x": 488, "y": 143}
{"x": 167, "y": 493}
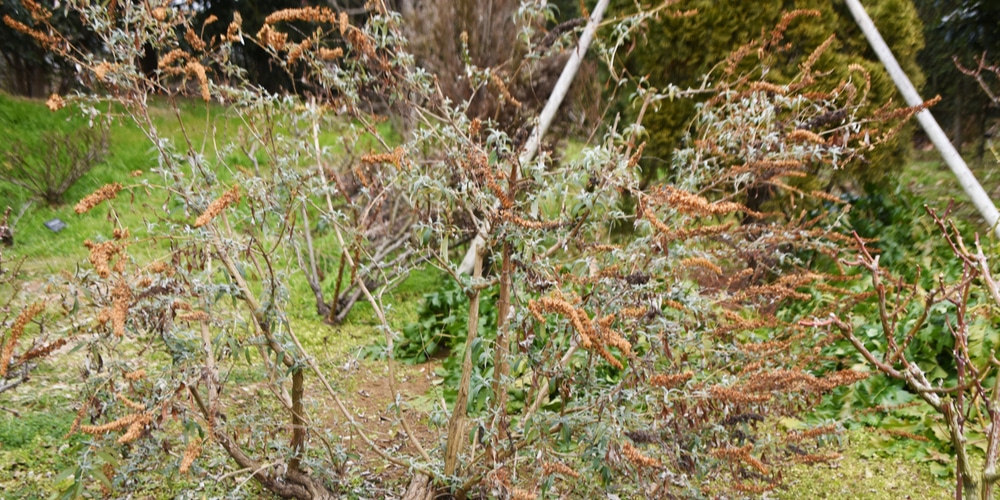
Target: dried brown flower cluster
{"x": 508, "y": 216}
{"x": 169, "y": 62}
{"x": 101, "y": 255}
{"x": 343, "y": 23}
{"x": 736, "y": 455}
{"x": 38, "y": 13}
{"x": 41, "y": 351}
{"x": 16, "y": 330}
{"x": 55, "y": 102}
{"x": 590, "y": 337}
{"x": 611, "y": 337}
{"x": 795, "y": 437}
{"x": 235, "y": 28}
{"x": 803, "y": 135}
{"x": 76, "y": 421}
{"x": 44, "y": 39}
{"x": 195, "y": 41}
{"x": 670, "y": 381}
{"x": 521, "y": 494}
{"x": 134, "y": 424}
{"x": 637, "y": 457}
{"x": 194, "y": 316}
{"x": 330, "y": 54}
{"x": 300, "y": 48}
{"x": 784, "y": 287}
{"x": 396, "y": 158}
{"x": 692, "y": 204}
{"x": 699, "y": 262}
{"x": 132, "y": 405}
{"x": 160, "y": 13}
{"x": 360, "y": 41}
{"x": 195, "y": 69}
{"x": 633, "y": 312}
{"x": 121, "y": 300}
{"x": 504, "y": 91}
{"x": 106, "y": 192}
{"x": 310, "y": 14}
{"x": 767, "y": 348}
{"x": 160, "y": 267}
{"x": 805, "y": 67}
{"x": 269, "y": 37}
{"x": 102, "y": 69}
{"x": 550, "y": 468}
{"x": 768, "y": 87}
{"x": 758, "y": 386}
{"x": 634, "y": 159}
{"x": 736, "y": 395}
{"x": 135, "y": 375}
{"x": 228, "y": 198}
{"x": 191, "y": 452}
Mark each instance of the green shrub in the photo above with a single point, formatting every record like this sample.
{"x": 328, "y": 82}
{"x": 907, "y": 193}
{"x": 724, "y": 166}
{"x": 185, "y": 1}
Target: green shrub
{"x": 50, "y": 169}
{"x": 683, "y": 51}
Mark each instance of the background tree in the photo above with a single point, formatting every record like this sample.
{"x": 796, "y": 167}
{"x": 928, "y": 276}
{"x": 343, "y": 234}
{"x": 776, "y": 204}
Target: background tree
{"x": 963, "y": 30}
{"x": 524, "y": 56}
{"x": 28, "y": 69}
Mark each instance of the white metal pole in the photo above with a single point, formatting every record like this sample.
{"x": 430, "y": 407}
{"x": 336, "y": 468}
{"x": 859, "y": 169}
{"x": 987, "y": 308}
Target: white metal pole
{"x": 951, "y": 156}
{"x": 548, "y": 113}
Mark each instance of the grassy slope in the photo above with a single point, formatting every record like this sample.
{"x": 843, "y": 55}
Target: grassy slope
{"x": 930, "y": 178}
{"x": 32, "y": 448}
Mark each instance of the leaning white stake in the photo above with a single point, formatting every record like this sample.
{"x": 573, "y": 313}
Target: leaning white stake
{"x": 951, "y": 156}
{"x": 548, "y": 114}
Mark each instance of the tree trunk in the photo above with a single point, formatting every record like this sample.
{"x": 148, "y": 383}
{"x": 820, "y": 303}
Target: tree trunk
{"x": 456, "y": 425}
{"x": 420, "y": 488}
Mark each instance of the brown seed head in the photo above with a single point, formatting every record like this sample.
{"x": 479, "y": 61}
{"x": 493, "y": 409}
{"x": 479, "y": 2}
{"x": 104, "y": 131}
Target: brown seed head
{"x": 55, "y": 102}
{"x": 190, "y": 454}
{"x": 550, "y": 468}
{"x": 670, "y": 381}
{"x": 330, "y": 54}
{"x": 637, "y": 457}
{"x": 227, "y": 199}
{"x": 106, "y": 192}
{"x": 16, "y": 330}
{"x": 195, "y": 41}
{"x": 194, "y": 68}
{"x": 160, "y": 13}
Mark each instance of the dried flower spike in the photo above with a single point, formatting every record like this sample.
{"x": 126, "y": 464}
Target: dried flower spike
{"x": 190, "y": 454}
{"x": 15, "y": 333}
{"x": 637, "y": 457}
{"x": 106, "y": 192}
{"x": 228, "y": 198}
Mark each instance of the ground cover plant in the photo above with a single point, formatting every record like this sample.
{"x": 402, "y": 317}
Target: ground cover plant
{"x": 648, "y": 361}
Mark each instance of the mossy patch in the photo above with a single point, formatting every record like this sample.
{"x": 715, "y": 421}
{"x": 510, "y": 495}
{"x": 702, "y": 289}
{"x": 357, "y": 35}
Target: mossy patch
{"x": 861, "y": 474}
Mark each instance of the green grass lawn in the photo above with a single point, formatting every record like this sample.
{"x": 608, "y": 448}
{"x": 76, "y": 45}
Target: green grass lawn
{"x": 929, "y": 177}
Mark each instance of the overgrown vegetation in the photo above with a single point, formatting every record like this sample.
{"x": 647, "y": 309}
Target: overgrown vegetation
{"x": 619, "y": 333}
{"x": 679, "y": 51}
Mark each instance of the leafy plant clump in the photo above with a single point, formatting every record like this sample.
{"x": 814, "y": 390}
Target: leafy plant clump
{"x": 51, "y": 167}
